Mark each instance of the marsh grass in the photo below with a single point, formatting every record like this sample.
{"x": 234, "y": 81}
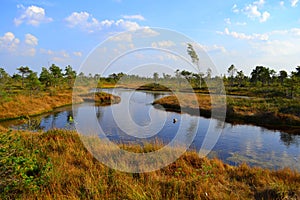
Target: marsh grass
{"x": 64, "y": 169}
{"x": 24, "y": 106}
{"x": 277, "y": 113}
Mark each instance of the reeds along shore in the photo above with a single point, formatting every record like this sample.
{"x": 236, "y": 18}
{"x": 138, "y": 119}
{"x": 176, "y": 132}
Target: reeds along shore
{"x": 276, "y": 113}
{"x": 24, "y": 106}
{"x": 56, "y": 165}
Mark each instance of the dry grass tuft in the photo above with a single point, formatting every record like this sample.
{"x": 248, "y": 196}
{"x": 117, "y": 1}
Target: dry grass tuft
{"x": 75, "y": 174}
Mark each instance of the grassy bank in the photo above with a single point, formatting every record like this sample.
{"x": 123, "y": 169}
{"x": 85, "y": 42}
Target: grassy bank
{"x": 277, "y": 113}
{"x": 55, "y": 165}
{"x": 23, "y": 105}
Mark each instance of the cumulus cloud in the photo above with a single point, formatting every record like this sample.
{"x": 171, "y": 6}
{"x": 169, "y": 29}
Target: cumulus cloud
{"x": 243, "y": 36}
{"x": 127, "y": 25}
{"x": 137, "y": 17}
{"x": 294, "y": 3}
{"x": 86, "y": 22}
{"x": 264, "y": 17}
{"x": 235, "y": 9}
{"x": 31, "y": 40}
{"x": 32, "y": 15}
{"x": 253, "y": 11}
{"x": 9, "y": 42}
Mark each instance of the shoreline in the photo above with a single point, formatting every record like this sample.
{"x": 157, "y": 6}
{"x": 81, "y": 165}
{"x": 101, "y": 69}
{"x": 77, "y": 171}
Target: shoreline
{"x": 35, "y": 106}
{"x": 58, "y": 165}
{"x": 272, "y": 121}
{"x": 269, "y": 120}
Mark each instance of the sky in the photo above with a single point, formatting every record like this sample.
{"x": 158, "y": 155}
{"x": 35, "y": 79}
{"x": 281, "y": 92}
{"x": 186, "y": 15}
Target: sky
{"x": 245, "y": 33}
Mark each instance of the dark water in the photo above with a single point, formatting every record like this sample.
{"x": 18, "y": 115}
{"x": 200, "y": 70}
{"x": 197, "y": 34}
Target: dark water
{"x": 236, "y": 144}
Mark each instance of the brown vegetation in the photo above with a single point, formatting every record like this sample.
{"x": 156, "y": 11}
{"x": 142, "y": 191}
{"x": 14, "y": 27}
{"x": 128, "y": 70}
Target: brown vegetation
{"x": 101, "y": 97}
{"x": 276, "y": 113}
{"x": 61, "y": 168}
{"x": 24, "y": 106}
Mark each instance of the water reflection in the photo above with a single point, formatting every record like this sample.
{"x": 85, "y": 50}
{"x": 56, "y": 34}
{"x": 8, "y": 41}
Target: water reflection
{"x": 238, "y": 143}
{"x": 288, "y": 139}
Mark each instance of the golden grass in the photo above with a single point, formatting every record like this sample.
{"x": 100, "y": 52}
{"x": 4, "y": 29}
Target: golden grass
{"x": 275, "y": 113}
{"x": 76, "y": 174}
{"x": 22, "y": 105}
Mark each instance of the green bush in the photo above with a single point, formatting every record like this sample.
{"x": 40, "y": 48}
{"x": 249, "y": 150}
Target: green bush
{"x": 23, "y": 168}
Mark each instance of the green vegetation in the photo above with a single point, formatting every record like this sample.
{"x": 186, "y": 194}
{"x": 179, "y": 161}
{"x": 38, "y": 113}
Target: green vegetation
{"x": 29, "y": 94}
{"x": 101, "y": 97}
{"x": 56, "y": 165}
{"x": 153, "y": 87}
{"x": 273, "y": 103}
{"x": 275, "y": 113}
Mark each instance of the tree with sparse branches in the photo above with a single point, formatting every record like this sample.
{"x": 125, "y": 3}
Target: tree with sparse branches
{"x": 155, "y": 77}
{"x": 46, "y": 77}
{"x": 195, "y": 60}
{"x": 70, "y": 75}
{"x": 231, "y": 72}
{"x": 33, "y": 83}
{"x": 56, "y": 74}
{"x": 23, "y": 71}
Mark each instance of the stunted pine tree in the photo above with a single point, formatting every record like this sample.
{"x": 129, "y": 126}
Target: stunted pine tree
{"x": 195, "y": 60}
{"x": 23, "y": 71}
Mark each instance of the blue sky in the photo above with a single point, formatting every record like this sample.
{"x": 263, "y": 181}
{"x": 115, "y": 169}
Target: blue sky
{"x": 245, "y": 33}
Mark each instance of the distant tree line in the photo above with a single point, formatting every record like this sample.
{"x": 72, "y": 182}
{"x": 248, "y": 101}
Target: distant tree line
{"x": 28, "y": 80}
{"x": 54, "y": 78}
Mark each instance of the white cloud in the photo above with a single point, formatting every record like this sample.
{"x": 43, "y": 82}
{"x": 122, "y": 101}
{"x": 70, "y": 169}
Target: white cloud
{"x": 264, "y": 17}
{"x": 77, "y": 53}
{"x": 127, "y": 25}
{"x": 148, "y": 32}
{"x": 32, "y": 15}
{"x": 84, "y": 21}
{"x": 87, "y": 22}
{"x": 125, "y": 37}
{"x": 259, "y": 3}
{"x": 163, "y": 44}
{"x": 277, "y": 48}
{"x": 8, "y": 42}
{"x": 281, "y": 3}
{"x": 31, "y": 40}
{"x": 227, "y": 21}
{"x": 253, "y": 11}
{"x": 243, "y": 36}
{"x": 235, "y": 9}
{"x": 61, "y": 56}
{"x": 107, "y": 23}
{"x": 294, "y": 3}
{"x": 137, "y": 17}
{"x": 295, "y": 32}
